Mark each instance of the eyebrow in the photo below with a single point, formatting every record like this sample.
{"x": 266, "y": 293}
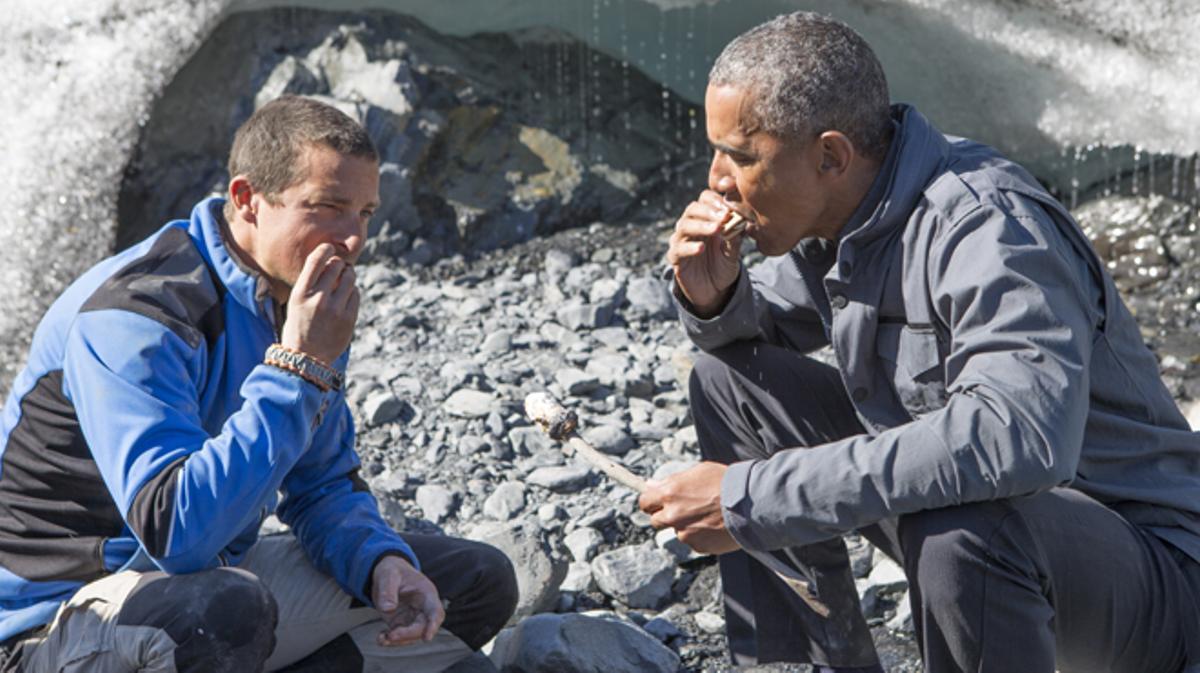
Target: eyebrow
{"x": 341, "y": 201}
{"x": 726, "y": 149}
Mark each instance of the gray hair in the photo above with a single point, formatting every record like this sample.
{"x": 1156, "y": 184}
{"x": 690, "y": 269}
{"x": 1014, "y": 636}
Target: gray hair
{"x": 807, "y": 74}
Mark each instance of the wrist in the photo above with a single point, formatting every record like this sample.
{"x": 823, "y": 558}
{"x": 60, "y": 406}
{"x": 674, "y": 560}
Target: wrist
{"x": 308, "y": 367}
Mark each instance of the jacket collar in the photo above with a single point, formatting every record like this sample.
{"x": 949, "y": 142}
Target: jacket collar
{"x": 918, "y": 152}
{"x": 244, "y": 285}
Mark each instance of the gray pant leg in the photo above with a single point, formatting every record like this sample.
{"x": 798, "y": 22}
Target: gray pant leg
{"x": 750, "y": 400}
{"x": 1053, "y": 580}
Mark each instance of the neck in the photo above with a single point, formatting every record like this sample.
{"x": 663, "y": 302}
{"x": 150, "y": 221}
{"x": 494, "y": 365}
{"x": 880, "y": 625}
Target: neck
{"x": 239, "y": 239}
{"x": 859, "y": 181}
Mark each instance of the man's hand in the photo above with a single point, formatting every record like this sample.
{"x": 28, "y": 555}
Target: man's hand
{"x": 690, "y": 502}
{"x": 323, "y": 306}
{"x": 407, "y": 601}
{"x": 706, "y": 265}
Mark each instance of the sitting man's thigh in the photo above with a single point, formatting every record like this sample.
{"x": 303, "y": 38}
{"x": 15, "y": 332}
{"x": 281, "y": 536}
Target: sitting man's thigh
{"x": 476, "y": 581}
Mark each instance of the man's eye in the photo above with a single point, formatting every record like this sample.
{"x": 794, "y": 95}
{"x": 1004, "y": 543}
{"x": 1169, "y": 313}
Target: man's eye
{"x": 368, "y": 214}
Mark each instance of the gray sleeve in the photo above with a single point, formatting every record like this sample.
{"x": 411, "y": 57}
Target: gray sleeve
{"x": 769, "y": 303}
{"x": 1015, "y": 298}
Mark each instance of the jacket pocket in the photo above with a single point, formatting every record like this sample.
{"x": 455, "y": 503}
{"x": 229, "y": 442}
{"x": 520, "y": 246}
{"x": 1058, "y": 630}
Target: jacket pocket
{"x": 913, "y": 362}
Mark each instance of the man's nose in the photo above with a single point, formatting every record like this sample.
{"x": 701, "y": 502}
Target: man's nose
{"x": 719, "y": 178}
{"x": 352, "y": 236}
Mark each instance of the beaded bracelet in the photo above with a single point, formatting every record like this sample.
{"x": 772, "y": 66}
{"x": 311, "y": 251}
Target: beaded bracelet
{"x": 308, "y": 367}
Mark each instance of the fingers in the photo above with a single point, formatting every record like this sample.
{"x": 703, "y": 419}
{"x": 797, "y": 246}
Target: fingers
{"x": 651, "y": 499}
{"x": 345, "y": 293}
{"x": 385, "y": 589}
{"x": 435, "y": 622}
{"x": 314, "y": 265}
{"x": 404, "y": 634}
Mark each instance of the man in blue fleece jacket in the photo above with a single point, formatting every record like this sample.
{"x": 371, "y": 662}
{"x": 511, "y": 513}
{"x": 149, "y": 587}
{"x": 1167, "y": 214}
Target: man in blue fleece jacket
{"x": 171, "y": 394}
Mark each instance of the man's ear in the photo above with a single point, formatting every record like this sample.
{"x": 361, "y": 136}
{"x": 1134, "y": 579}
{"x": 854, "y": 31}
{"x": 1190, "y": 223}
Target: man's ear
{"x": 837, "y": 153}
{"x": 243, "y": 198}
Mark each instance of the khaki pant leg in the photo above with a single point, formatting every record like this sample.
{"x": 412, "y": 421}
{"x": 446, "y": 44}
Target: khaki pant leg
{"x": 85, "y": 636}
{"x": 313, "y": 610}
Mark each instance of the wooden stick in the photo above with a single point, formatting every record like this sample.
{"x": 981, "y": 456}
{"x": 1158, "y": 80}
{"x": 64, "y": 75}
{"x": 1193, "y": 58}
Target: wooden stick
{"x": 560, "y": 423}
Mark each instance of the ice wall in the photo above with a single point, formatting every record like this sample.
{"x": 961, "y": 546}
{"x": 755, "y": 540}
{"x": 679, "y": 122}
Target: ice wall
{"x": 1093, "y": 95}
{"x": 1037, "y": 78}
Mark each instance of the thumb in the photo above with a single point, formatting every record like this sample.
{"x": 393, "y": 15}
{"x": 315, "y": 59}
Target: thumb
{"x": 387, "y": 587}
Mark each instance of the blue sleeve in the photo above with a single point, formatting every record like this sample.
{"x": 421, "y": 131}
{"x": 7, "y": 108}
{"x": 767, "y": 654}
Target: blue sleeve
{"x": 182, "y": 490}
{"x": 333, "y": 515}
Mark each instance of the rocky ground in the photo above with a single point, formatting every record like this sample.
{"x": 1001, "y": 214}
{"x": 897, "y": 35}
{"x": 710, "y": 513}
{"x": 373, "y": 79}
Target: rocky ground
{"x": 446, "y": 353}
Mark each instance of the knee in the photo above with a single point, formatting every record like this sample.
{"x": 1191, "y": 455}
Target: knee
{"x": 947, "y": 551}
{"x": 219, "y": 620}
{"x": 491, "y": 599}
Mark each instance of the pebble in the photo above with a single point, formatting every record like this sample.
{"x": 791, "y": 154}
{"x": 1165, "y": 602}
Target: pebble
{"x": 583, "y": 543}
{"x": 381, "y": 407}
{"x": 506, "y": 501}
{"x": 709, "y": 622}
{"x": 467, "y": 403}
{"x": 436, "y": 502}
{"x": 609, "y": 439}
{"x": 561, "y": 479}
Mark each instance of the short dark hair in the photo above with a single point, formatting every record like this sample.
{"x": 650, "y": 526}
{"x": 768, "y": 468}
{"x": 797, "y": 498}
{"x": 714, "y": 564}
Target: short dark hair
{"x": 807, "y": 74}
{"x": 268, "y": 147}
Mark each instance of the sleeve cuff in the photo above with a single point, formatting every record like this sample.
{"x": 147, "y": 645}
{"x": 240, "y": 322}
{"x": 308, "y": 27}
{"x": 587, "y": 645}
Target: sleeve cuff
{"x": 735, "y": 322}
{"x": 736, "y": 505}
{"x": 405, "y": 553}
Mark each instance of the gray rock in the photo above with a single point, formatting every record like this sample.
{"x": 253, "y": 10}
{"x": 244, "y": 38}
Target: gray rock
{"x": 606, "y": 292}
{"x": 381, "y": 407}
{"x": 902, "y": 620}
{"x": 497, "y": 343}
{"x": 709, "y": 622}
{"x": 436, "y": 502}
{"x": 478, "y": 662}
{"x": 667, "y": 541}
{"x": 649, "y": 298}
{"x": 558, "y": 262}
{"x": 458, "y": 372}
{"x": 583, "y": 543}
{"x": 608, "y": 368}
{"x": 575, "y": 643}
{"x": 639, "y": 576}
{"x": 887, "y": 575}
{"x": 576, "y": 315}
{"x": 549, "y": 513}
{"x": 579, "y": 578}
{"x": 560, "y": 479}
{"x": 609, "y": 439}
{"x": 529, "y": 440}
{"x": 663, "y": 629}
{"x": 469, "y": 445}
{"x": 539, "y": 574}
{"x": 506, "y": 501}
{"x": 467, "y": 403}
{"x": 576, "y": 381}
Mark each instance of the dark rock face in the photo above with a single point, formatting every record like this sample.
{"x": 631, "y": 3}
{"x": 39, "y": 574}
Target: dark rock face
{"x": 484, "y": 141}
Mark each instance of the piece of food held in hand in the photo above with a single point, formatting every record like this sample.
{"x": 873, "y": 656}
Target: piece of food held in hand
{"x": 735, "y": 226}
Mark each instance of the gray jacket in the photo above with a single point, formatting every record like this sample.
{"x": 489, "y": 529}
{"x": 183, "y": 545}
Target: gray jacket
{"x": 984, "y": 347}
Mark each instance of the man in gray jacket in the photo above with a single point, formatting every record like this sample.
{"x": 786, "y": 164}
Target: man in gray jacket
{"x": 994, "y": 421}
